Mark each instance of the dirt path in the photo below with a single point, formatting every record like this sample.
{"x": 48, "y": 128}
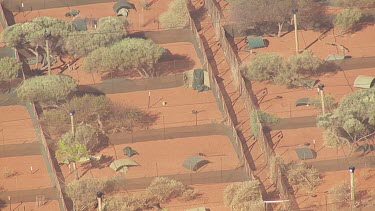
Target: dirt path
{"x": 235, "y": 103}
{"x": 14, "y": 150}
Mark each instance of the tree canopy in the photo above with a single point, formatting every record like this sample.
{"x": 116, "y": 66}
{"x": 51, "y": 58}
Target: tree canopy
{"x": 83, "y": 134}
{"x": 9, "y": 68}
{"x": 353, "y": 120}
{"x": 176, "y": 16}
{"x": 305, "y": 63}
{"x": 70, "y": 152}
{"x": 347, "y": 19}
{"x": 356, "y": 3}
{"x": 108, "y": 31}
{"x": 130, "y": 54}
{"x": 270, "y": 16}
{"x": 49, "y": 88}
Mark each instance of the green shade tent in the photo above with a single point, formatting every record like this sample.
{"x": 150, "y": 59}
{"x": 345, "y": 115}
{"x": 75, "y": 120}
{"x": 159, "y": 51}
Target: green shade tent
{"x": 305, "y": 82}
{"x": 254, "y": 42}
{"x": 123, "y": 4}
{"x": 303, "y": 101}
{"x": 365, "y": 82}
{"x": 194, "y": 163}
{"x": 198, "y": 79}
{"x": 128, "y": 151}
{"x": 79, "y": 24}
{"x": 121, "y": 165}
{"x": 305, "y": 153}
{"x": 334, "y": 57}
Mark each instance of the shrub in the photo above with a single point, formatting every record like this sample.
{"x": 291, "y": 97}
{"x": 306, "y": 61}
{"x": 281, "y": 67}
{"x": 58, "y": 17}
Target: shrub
{"x": 356, "y": 3}
{"x": 9, "y": 68}
{"x": 303, "y": 176}
{"x": 329, "y": 102}
{"x": 339, "y": 194}
{"x": 190, "y": 194}
{"x": 85, "y": 135}
{"x": 347, "y": 19}
{"x": 305, "y": 62}
{"x": 164, "y": 188}
{"x": 263, "y": 117}
{"x": 134, "y": 201}
{"x": 243, "y": 196}
{"x": 49, "y": 88}
{"x": 176, "y": 16}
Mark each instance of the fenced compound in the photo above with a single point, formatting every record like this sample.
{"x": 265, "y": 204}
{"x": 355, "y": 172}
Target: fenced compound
{"x": 238, "y": 145}
{"x": 247, "y": 95}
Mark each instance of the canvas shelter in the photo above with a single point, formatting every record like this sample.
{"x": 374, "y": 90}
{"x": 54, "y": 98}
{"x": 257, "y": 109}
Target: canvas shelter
{"x": 198, "y": 79}
{"x": 121, "y": 165}
{"x": 303, "y": 101}
{"x": 122, "y": 7}
{"x": 194, "y": 163}
{"x": 128, "y": 151}
{"x": 305, "y": 153}
{"x": 254, "y": 42}
{"x": 334, "y": 57}
{"x": 79, "y": 24}
{"x": 365, "y": 82}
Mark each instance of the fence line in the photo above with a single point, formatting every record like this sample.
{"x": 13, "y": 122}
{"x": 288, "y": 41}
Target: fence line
{"x": 234, "y": 63}
{"x": 217, "y": 91}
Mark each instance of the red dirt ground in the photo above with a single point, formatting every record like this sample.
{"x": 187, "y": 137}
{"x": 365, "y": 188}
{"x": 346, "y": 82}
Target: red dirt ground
{"x": 13, "y": 120}
{"x": 165, "y": 157}
{"x": 180, "y": 103}
{"x": 48, "y": 206}
{"x": 24, "y": 179}
{"x": 102, "y": 10}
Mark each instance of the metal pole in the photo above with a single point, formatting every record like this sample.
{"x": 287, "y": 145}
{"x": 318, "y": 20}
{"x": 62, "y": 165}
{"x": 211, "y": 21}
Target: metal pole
{"x": 296, "y": 30}
{"x": 48, "y": 59}
{"x": 157, "y": 169}
{"x": 72, "y": 123}
{"x": 99, "y": 204}
{"x": 196, "y": 118}
{"x": 163, "y": 128}
{"x": 149, "y": 99}
{"x": 352, "y": 195}
{"x": 323, "y": 103}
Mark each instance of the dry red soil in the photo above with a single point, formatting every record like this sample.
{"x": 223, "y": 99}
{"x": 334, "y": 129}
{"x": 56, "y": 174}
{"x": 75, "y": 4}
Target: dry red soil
{"x": 178, "y": 110}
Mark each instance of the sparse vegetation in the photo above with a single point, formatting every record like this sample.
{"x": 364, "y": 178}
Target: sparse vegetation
{"x": 7, "y": 172}
{"x": 357, "y": 3}
{"x": 164, "y": 188}
{"x": 244, "y": 196}
{"x": 190, "y": 194}
{"x": 329, "y": 102}
{"x": 339, "y": 195}
{"x": 302, "y": 176}
{"x": 176, "y": 16}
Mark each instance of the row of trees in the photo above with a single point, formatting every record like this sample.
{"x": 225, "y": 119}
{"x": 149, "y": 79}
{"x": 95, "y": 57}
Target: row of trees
{"x": 273, "y": 67}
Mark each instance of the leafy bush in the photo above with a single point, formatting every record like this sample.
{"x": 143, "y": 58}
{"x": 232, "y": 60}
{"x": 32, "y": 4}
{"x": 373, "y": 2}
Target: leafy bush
{"x": 134, "y": 201}
{"x": 347, "y": 19}
{"x": 263, "y": 117}
{"x": 356, "y": 3}
{"x": 329, "y": 102}
{"x": 303, "y": 176}
{"x": 190, "y": 194}
{"x": 9, "y": 68}
{"x": 164, "y": 188}
{"x": 176, "y": 16}
{"x": 49, "y": 88}
{"x": 244, "y": 196}
{"x": 84, "y": 135}
{"x": 305, "y": 62}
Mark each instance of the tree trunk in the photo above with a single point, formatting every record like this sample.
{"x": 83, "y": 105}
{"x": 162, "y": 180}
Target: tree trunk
{"x": 280, "y": 28}
{"x": 100, "y": 123}
{"x": 36, "y": 56}
{"x": 141, "y": 73}
{"x": 75, "y": 170}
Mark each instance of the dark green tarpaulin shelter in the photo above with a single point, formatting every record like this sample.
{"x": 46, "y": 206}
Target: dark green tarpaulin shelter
{"x": 194, "y": 163}
{"x": 305, "y": 153}
{"x": 197, "y": 79}
{"x": 123, "y": 4}
{"x": 80, "y": 24}
{"x": 254, "y": 42}
{"x": 365, "y": 82}
{"x": 128, "y": 151}
{"x": 302, "y": 101}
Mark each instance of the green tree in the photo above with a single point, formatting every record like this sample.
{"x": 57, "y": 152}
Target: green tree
{"x": 84, "y": 134}
{"x": 31, "y": 35}
{"x": 353, "y": 120}
{"x": 108, "y": 31}
{"x": 347, "y": 19}
{"x": 177, "y": 15}
{"x": 71, "y": 153}
{"x": 49, "y": 88}
{"x": 305, "y": 62}
{"x": 244, "y": 196}
{"x": 130, "y": 54}
{"x": 300, "y": 174}
{"x": 9, "y": 68}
